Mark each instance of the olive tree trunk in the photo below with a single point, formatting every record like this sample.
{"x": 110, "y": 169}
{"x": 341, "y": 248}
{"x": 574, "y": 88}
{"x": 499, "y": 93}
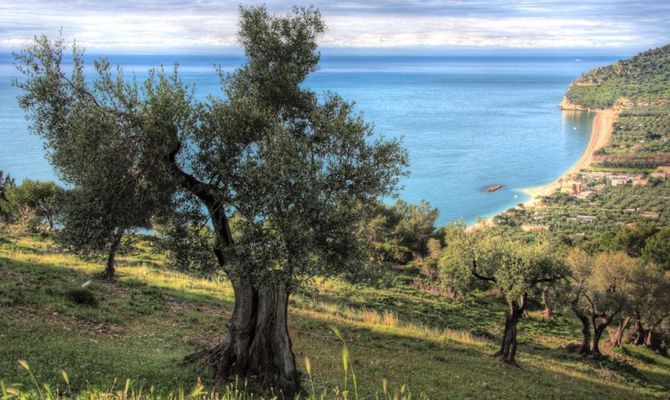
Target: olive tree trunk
{"x": 110, "y": 266}
{"x": 598, "y": 330}
{"x": 257, "y": 343}
{"x": 508, "y": 347}
{"x": 597, "y": 335}
{"x": 617, "y": 338}
{"x": 585, "y": 346}
{"x": 652, "y": 341}
{"x": 640, "y": 333}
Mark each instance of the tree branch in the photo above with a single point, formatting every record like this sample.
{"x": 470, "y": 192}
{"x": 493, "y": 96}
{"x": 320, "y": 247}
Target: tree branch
{"x": 477, "y": 275}
{"x": 544, "y": 280}
{"x": 204, "y": 192}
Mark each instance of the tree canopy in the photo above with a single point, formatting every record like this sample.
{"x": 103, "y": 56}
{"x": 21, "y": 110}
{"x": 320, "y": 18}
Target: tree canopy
{"x": 293, "y": 167}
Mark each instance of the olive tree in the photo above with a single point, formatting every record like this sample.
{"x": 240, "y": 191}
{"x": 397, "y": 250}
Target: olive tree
{"x": 633, "y": 240}
{"x": 576, "y": 295}
{"x": 657, "y": 249}
{"x": 293, "y": 168}
{"x": 514, "y": 266}
{"x": 455, "y": 263}
{"x": 415, "y": 226}
{"x": 7, "y": 193}
{"x": 649, "y": 293}
{"x": 95, "y": 141}
{"x": 601, "y": 292}
{"x": 401, "y": 231}
{"x": 43, "y": 197}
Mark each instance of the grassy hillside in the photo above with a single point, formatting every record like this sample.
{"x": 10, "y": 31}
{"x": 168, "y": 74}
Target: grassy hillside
{"x": 150, "y": 318}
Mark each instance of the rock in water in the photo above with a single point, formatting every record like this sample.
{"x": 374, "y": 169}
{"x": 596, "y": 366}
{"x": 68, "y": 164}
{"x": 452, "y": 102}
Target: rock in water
{"x": 493, "y": 188}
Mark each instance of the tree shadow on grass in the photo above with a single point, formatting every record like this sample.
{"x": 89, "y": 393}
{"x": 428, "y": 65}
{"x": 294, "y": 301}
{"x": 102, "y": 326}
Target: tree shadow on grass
{"x": 436, "y": 365}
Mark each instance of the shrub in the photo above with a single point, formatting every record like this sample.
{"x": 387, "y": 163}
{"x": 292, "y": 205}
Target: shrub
{"x": 82, "y": 296}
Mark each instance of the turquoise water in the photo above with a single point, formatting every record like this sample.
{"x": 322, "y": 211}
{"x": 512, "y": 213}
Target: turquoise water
{"x": 467, "y": 122}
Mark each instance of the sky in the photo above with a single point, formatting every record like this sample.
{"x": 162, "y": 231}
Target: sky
{"x": 201, "y": 26}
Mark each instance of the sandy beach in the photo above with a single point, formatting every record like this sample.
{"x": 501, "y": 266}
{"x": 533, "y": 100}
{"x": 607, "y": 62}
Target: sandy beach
{"x": 603, "y": 124}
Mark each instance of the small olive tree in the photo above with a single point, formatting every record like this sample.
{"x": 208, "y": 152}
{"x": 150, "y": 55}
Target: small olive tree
{"x": 657, "y": 249}
{"x": 96, "y": 145}
{"x": 8, "y": 207}
{"x": 44, "y": 198}
{"x": 649, "y": 295}
{"x": 514, "y": 266}
{"x": 455, "y": 263}
{"x": 601, "y": 292}
{"x": 399, "y": 232}
{"x": 576, "y": 295}
{"x": 415, "y": 226}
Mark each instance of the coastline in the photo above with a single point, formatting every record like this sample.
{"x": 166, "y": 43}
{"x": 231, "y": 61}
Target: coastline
{"x": 601, "y": 132}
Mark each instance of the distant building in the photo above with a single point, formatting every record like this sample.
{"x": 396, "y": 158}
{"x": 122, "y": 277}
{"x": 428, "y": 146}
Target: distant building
{"x": 651, "y": 214}
{"x": 662, "y": 171}
{"x": 623, "y": 179}
{"x": 639, "y": 180}
{"x": 572, "y": 186}
{"x": 584, "y": 194}
{"x": 618, "y": 180}
{"x": 587, "y": 219}
{"x": 533, "y": 228}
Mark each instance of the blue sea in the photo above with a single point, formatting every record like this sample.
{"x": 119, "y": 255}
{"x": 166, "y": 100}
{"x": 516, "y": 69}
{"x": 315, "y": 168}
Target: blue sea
{"x": 467, "y": 122}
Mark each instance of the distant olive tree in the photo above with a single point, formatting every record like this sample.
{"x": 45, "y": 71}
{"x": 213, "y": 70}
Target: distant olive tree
{"x": 455, "y": 263}
{"x": 649, "y": 295}
{"x": 293, "y": 168}
{"x": 513, "y": 265}
{"x": 187, "y": 239}
{"x": 95, "y": 143}
{"x": 633, "y": 240}
{"x": 415, "y": 226}
{"x": 601, "y": 293}
{"x": 44, "y": 198}
{"x": 400, "y": 232}
{"x": 657, "y": 249}
{"x": 8, "y": 207}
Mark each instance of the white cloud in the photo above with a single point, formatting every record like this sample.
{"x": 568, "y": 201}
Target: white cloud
{"x": 178, "y": 24}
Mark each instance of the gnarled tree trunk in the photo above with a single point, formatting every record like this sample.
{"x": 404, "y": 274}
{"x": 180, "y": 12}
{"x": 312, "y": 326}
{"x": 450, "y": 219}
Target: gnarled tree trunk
{"x": 651, "y": 340}
{"x": 258, "y": 342}
{"x": 597, "y": 334}
{"x": 584, "y": 347}
{"x": 617, "y": 337}
{"x": 640, "y": 333}
{"x": 508, "y": 347}
{"x": 598, "y": 330}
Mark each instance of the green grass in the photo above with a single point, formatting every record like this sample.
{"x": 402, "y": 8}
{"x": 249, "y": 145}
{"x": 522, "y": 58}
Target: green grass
{"x": 150, "y": 318}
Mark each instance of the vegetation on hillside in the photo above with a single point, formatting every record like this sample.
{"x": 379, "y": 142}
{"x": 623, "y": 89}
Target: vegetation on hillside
{"x": 629, "y": 181}
{"x": 643, "y": 79}
{"x": 148, "y": 319}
